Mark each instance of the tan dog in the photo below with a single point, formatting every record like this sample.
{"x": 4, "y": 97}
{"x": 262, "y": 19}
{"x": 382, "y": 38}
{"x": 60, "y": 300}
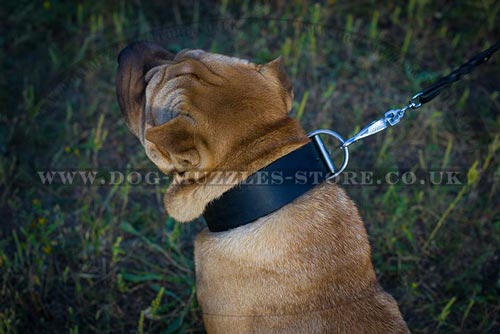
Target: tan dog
{"x": 305, "y": 268}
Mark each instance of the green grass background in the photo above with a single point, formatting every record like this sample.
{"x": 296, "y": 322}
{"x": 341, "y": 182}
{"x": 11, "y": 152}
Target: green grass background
{"x": 90, "y": 259}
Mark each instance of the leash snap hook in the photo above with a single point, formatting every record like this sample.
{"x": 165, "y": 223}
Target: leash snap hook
{"x": 394, "y": 116}
{"x": 415, "y": 101}
{"x": 315, "y": 135}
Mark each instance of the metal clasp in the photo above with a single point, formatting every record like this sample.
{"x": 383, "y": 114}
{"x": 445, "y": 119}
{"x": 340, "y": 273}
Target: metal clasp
{"x": 394, "y": 116}
{"x": 391, "y": 117}
{"x": 315, "y": 135}
{"x": 370, "y": 129}
{"x": 413, "y": 104}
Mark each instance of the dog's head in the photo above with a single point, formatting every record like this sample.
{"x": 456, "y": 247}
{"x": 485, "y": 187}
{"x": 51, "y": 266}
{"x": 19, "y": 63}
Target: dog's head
{"x": 193, "y": 110}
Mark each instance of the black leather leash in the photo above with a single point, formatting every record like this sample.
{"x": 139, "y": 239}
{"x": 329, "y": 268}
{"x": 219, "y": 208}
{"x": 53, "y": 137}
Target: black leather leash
{"x": 435, "y": 89}
{"x": 392, "y": 117}
{"x": 289, "y": 177}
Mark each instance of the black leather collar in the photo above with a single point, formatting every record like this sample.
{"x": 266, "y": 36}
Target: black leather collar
{"x": 267, "y": 190}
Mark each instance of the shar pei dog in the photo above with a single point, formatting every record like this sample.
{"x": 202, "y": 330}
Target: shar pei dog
{"x": 303, "y": 267}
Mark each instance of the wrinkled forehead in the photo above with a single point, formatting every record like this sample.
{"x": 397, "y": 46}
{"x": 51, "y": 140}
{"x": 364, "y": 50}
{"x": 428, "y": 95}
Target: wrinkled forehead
{"x": 211, "y": 58}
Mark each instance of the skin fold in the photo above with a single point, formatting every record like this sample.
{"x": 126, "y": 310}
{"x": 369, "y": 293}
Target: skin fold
{"x": 305, "y": 268}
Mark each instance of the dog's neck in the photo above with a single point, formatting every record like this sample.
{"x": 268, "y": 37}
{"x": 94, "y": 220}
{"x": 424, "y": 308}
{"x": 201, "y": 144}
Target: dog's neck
{"x": 279, "y": 140}
{"x": 268, "y": 190}
{"x": 187, "y": 201}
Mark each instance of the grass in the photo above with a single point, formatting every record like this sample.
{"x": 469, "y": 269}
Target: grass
{"x": 106, "y": 259}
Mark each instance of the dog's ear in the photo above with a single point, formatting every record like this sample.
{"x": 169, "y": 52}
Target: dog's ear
{"x": 175, "y": 140}
{"x": 277, "y": 68}
{"x": 134, "y": 62}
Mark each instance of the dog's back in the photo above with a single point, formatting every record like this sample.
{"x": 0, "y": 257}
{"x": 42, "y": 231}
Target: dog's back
{"x": 305, "y": 268}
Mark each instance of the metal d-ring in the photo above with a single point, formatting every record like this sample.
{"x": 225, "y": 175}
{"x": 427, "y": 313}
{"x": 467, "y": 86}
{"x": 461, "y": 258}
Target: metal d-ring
{"x": 324, "y": 151}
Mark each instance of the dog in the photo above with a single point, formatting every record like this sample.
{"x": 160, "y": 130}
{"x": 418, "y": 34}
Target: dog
{"x": 303, "y": 268}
